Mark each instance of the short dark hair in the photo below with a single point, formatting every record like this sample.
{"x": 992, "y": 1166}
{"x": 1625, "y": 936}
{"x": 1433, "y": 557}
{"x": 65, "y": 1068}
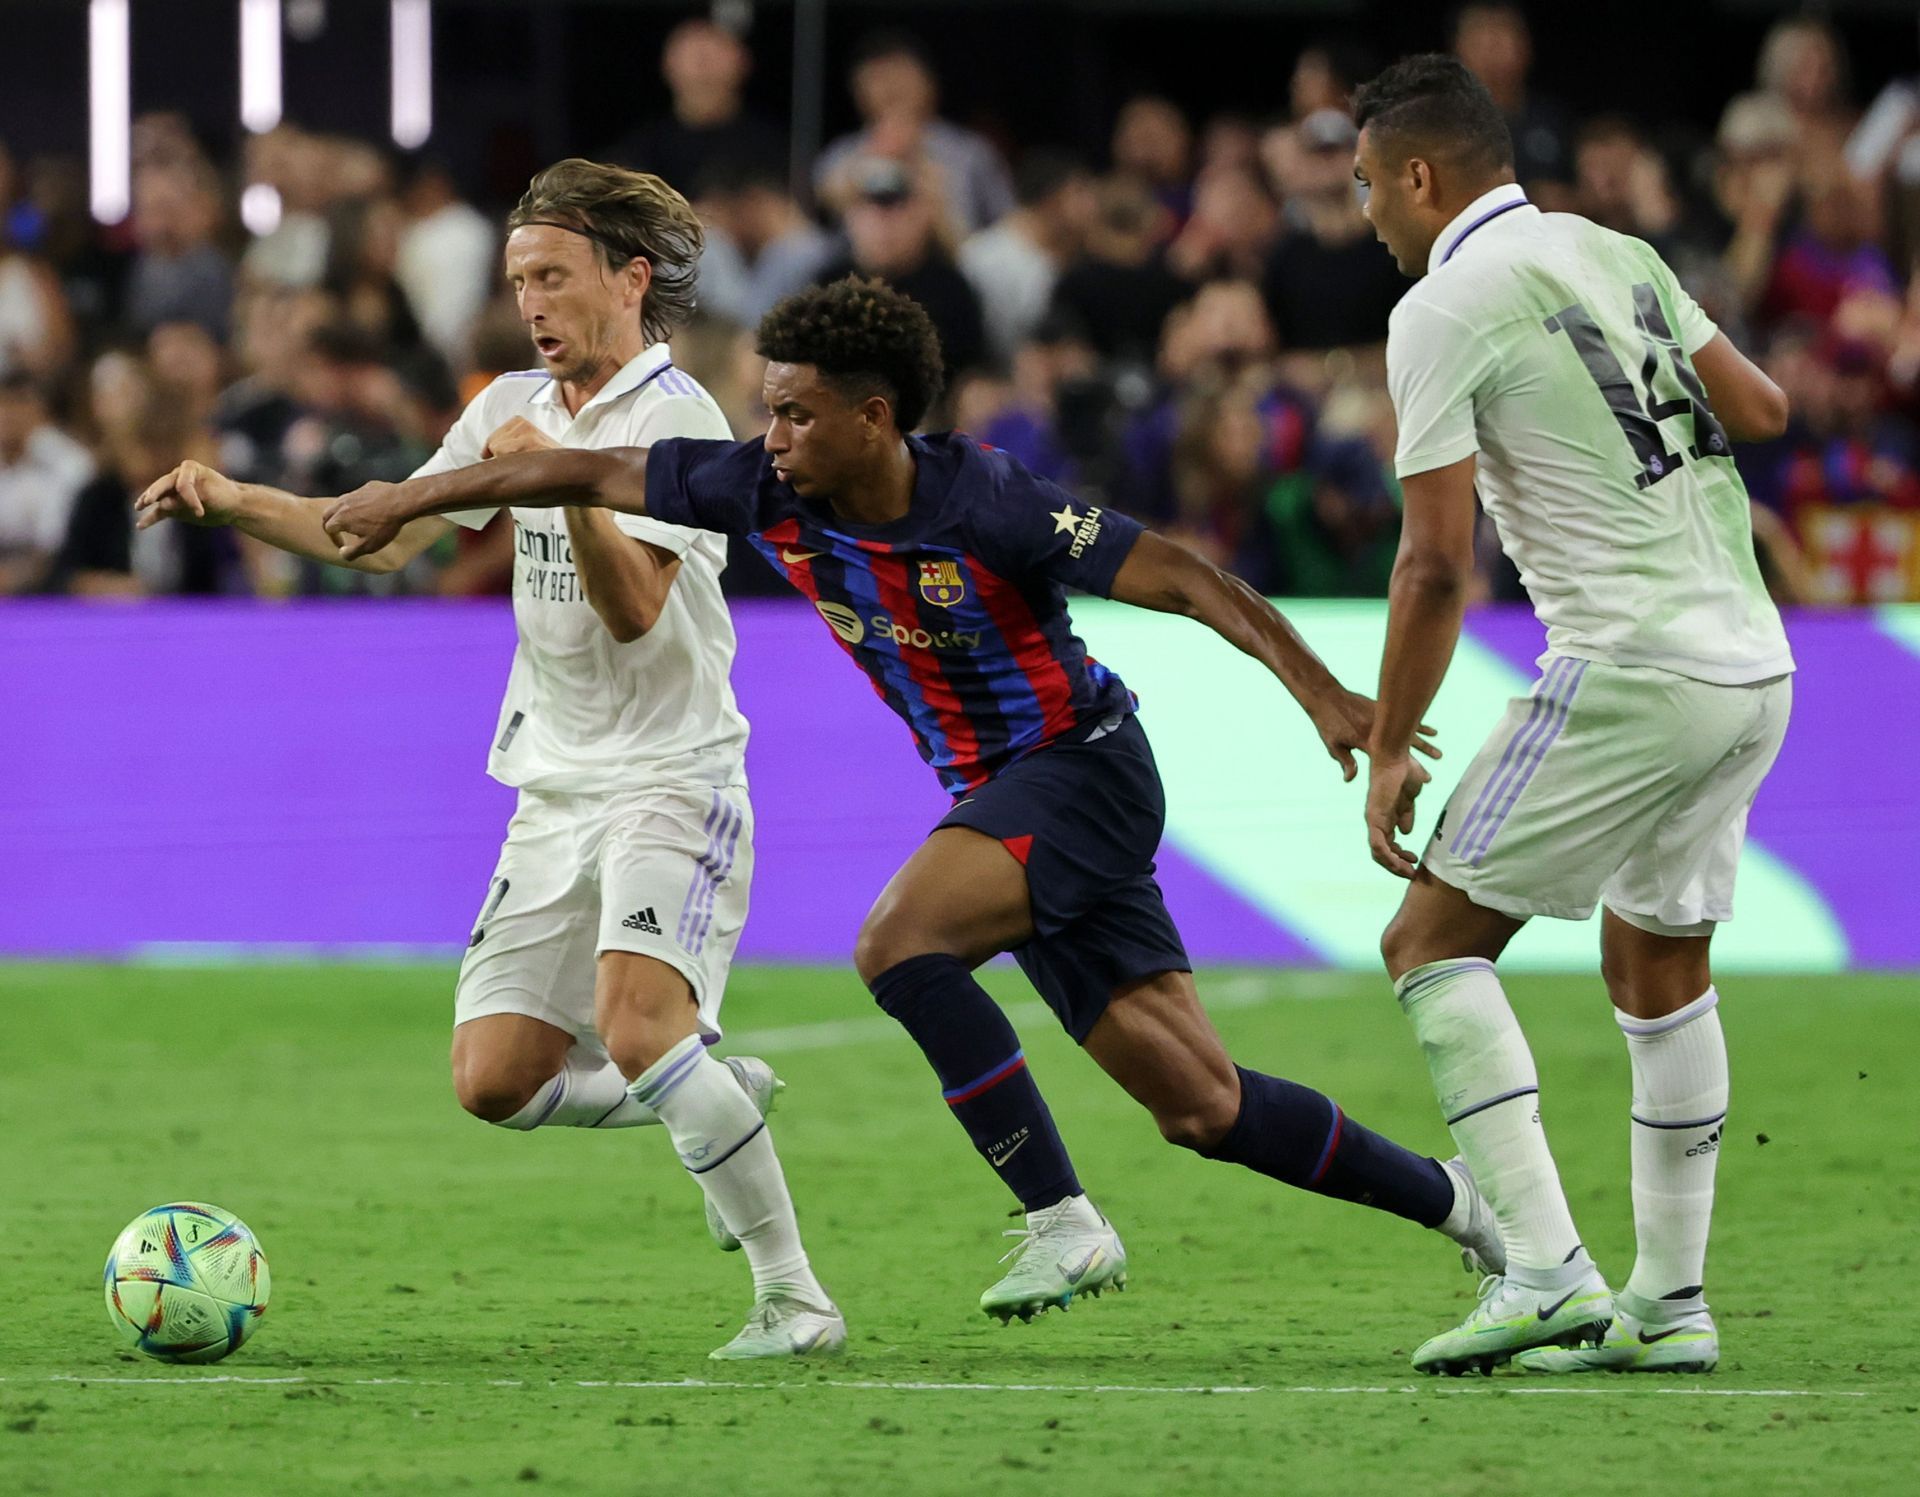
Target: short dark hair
{"x": 1039, "y": 174}
{"x": 629, "y": 216}
{"x": 893, "y": 41}
{"x": 865, "y": 338}
{"x": 1431, "y": 102}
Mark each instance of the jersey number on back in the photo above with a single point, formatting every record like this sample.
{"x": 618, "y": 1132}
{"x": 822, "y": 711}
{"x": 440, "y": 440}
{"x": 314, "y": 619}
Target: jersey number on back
{"x": 1640, "y": 420}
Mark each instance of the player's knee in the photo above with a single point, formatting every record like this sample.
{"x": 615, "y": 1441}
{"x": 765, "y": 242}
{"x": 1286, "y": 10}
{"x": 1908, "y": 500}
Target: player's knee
{"x": 493, "y": 1093}
{"x": 1199, "y": 1122}
{"x": 1400, "y": 946}
{"x": 884, "y": 942}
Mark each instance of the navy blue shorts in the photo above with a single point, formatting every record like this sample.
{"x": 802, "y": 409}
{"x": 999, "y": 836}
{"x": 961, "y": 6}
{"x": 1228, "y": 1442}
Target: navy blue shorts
{"x": 1085, "y": 818}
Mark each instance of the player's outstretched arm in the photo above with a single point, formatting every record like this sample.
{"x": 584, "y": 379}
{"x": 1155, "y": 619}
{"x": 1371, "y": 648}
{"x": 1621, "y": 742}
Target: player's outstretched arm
{"x": 1425, "y": 603}
{"x": 195, "y": 494}
{"x": 1163, "y": 575}
{"x": 371, "y": 517}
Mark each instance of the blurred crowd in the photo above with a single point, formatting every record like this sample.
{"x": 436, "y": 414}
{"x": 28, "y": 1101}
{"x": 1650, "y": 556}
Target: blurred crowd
{"x": 1189, "y": 328}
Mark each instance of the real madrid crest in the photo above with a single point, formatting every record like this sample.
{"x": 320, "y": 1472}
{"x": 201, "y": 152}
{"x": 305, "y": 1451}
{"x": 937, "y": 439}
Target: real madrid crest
{"x": 941, "y": 584}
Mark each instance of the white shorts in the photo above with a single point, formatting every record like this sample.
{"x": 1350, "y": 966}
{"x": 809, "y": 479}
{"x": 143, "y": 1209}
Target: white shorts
{"x": 1621, "y": 784}
{"x": 663, "y": 872}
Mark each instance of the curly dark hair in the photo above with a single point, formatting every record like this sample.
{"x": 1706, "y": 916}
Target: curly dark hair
{"x": 1431, "y": 102}
{"x": 865, "y": 338}
{"x": 629, "y": 216}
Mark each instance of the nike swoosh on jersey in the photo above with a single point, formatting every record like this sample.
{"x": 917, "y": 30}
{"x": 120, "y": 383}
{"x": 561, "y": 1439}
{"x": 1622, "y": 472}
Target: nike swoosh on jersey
{"x": 793, "y": 558}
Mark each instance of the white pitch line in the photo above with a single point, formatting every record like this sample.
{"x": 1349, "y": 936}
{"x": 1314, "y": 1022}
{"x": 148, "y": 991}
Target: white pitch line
{"x": 887, "y": 1386}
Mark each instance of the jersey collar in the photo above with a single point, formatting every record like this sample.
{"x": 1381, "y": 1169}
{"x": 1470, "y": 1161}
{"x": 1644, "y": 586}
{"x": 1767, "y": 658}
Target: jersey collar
{"x": 1481, "y": 211}
{"x": 648, "y": 364}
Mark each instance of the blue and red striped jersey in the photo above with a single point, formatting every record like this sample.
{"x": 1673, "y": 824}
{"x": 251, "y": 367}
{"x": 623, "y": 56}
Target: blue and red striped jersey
{"x": 957, "y": 611}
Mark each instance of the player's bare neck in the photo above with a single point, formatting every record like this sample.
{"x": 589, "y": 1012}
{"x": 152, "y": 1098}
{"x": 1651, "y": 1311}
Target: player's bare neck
{"x": 881, "y": 494}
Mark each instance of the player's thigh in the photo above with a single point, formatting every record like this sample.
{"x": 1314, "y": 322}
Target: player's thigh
{"x": 1438, "y": 923}
{"x": 1678, "y": 880}
{"x": 1570, "y": 783}
{"x": 1156, "y": 1040}
{"x": 643, "y": 1008}
{"x": 674, "y": 868}
{"x": 961, "y": 894}
{"x": 531, "y": 951}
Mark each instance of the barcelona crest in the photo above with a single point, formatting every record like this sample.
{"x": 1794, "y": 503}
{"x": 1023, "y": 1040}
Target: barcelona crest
{"x": 940, "y": 583}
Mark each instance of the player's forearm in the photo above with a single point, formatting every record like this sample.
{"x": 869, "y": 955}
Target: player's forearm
{"x": 625, "y": 580}
{"x": 291, "y": 523}
{"x": 1425, "y": 603}
{"x": 1190, "y": 585}
{"x": 613, "y": 478}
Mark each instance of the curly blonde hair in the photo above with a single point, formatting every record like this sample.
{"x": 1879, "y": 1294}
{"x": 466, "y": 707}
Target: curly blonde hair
{"x": 629, "y": 216}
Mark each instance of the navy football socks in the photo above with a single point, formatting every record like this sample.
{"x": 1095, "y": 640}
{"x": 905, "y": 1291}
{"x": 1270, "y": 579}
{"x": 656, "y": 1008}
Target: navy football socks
{"x": 983, "y": 1074}
{"x": 1297, "y": 1135}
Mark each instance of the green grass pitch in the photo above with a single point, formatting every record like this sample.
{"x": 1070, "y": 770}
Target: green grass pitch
{"x": 459, "y": 1309}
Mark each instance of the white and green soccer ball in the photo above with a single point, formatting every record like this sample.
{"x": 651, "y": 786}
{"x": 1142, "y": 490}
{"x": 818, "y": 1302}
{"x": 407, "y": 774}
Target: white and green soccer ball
{"x": 186, "y": 1282}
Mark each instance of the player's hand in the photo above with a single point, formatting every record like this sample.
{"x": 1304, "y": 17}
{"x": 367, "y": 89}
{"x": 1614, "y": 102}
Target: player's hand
{"x": 1392, "y": 787}
{"x": 517, "y": 435}
{"x": 192, "y": 493}
{"x": 1345, "y": 723}
{"x": 366, "y": 520}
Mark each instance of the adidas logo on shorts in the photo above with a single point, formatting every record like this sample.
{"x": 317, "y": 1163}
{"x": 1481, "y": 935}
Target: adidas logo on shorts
{"x": 642, "y": 920}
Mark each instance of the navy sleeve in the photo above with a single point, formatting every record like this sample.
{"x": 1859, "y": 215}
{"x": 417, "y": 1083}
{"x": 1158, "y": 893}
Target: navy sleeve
{"x": 706, "y": 485}
{"x": 1032, "y": 525}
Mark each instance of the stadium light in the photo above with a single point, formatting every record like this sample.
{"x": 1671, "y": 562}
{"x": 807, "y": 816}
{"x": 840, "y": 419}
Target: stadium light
{"x": 412, "y": 72}
{"x": 259, "y": 64}
{"x": 109, "y": 111}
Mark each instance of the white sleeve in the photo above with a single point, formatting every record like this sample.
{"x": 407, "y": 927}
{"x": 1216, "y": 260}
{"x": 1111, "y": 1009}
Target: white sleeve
{"x": 1435, "y": 365}
{"x": 679, "y": 416}
{"x": 461, "y": 448}
{"x": 1691, "y": 326}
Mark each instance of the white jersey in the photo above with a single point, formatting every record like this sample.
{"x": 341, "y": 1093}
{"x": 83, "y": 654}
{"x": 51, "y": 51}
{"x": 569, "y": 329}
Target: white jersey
{"x": 1561, "y": 353}
{"x": 584, "y": 713}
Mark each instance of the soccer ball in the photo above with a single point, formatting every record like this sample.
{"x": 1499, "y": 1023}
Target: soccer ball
{"x": 186, "y": 1282}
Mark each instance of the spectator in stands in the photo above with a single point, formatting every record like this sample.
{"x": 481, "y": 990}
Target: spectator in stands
{"x": 42, "y": 471}
{"x": 448, "y": 258}
{"x": 1803, "y": 66}
{"x": 1493, "y": 39}
{"x": 289, "y": 247}
{"x": 1015, "y": 265}
{"x": 1621, "y": 182}
{"x": 363, "y": 250}
{"x": 190, "y": 365}
{"x": 1325, "y": 75}
{"x": 179, "y": 272}
{"x": 1833, "y": 253}
{"x": 154, "y": 434}
{"x": 705, "y": 66}
{"x": 1231, "y": 230}
{"x": 761, "y": 245}
{"x": 1153, "y": 145}
{"x": 895, "y": 90}
{"x": 36, "y": 329}
{"x": 890, "y": 224}
{"x": 1122, "y": 291}
{"x": 1053, "y": 412}
{"x": 1328, "y": 282}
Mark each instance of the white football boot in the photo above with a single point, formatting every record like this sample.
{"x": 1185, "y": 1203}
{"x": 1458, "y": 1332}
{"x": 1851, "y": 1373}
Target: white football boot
{"x": 757, "y": 1080}
{"x": 1646, "y": 1336}
{"x": 1065, "y": 1250}
{"x": 782, "y": 1326}
{"x": 1512, "y": 1318}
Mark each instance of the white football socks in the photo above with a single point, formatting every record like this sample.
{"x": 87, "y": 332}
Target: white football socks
{"x": 586, "y": 1093}
{"x": 1679, "y": 1110}
{"x": 1484, "y": 1076}
{"x": 724, "y": 1143}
